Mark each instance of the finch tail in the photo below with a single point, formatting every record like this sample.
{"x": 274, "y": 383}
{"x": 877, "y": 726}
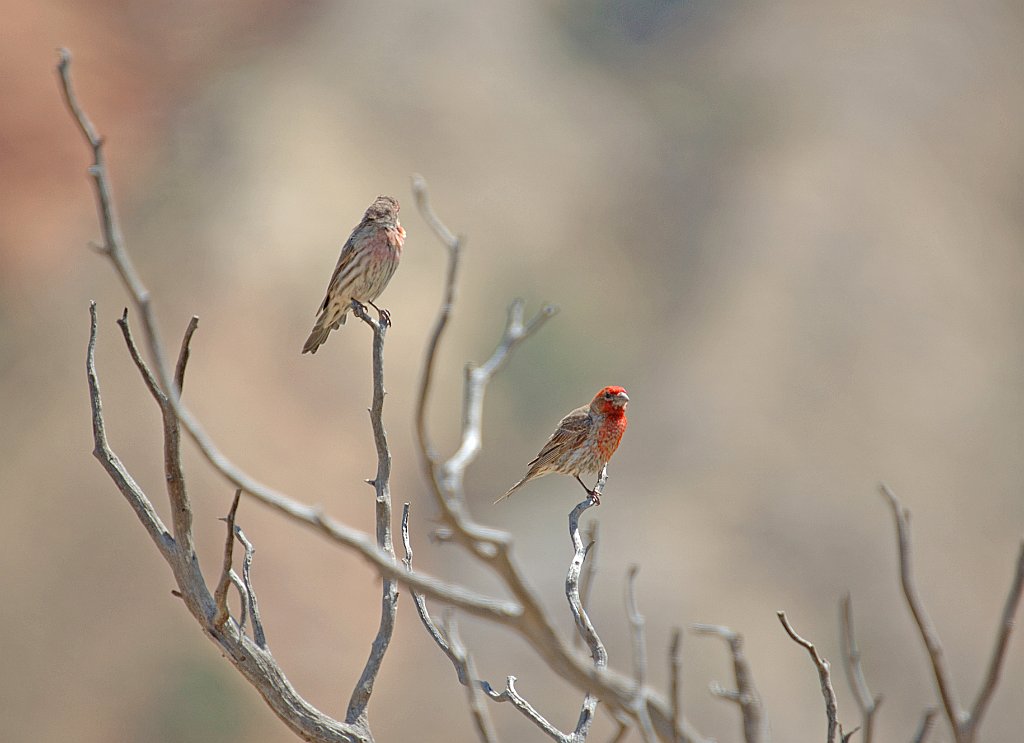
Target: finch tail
{"x": 316, "y": 339}
{"x": 510, "y": 491}
{"x": 320, "y": 333}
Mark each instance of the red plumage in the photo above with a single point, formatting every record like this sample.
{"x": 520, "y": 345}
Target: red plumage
{"x": 583, "y": 442}
{"x": 368, "y": 260}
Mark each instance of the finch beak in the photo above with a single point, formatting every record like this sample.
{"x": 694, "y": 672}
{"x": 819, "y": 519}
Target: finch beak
{"x": 622, "y": 397}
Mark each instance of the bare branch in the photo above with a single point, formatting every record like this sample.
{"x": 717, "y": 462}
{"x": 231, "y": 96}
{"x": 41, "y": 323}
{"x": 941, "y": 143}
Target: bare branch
{"x": 675, "y": 695}
{"x": 381, "y": 483}
{"x": 181, "y": 507}
{"x": 621, "y": 733}
{"x": 589, "y": 570}
{"x": 524, "y": 615}
{"x": 637, "y": 624}
{"x": 823, "y": 675}
{"x": 639, "y": 638}
{"x": 970, "y": 726}
{"x": 220, "y": 595}
{"x": 474, "y": 693}
{"x": 927, "y": 721}
{"x": 492, "y": 546}
{"x": 143, "y": 508}
{"x": 113, "y": 244}
{"x": 746, "y": 694}
{"x": 932, "y": 643}
{"x": 183, "y": 354}
{"x": 510, "y": 694}
{"x": 866, "y": 703}
{"x": 454, "y": 246}
{"x": 453, "y": 648}
{"x": 254, "y": 610}
{"x": 583, "y": 624}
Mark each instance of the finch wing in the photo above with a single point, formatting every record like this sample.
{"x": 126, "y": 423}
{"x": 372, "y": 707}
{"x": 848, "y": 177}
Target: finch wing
{"x": 572, "y": 431}
{"x": 345, "y": 262}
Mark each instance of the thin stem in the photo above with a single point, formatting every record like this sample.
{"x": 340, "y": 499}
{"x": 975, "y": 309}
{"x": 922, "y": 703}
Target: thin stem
{"x": 823, "y": 676}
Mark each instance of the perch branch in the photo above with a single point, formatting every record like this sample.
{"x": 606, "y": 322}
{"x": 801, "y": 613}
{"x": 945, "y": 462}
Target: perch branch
{"x": 824, "y": 676}
{"x": 381, "y": 483}
{"x": 589, "y": 571}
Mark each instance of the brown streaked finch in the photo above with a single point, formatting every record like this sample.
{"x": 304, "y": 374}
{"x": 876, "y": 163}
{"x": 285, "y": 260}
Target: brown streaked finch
{"x": 583, "y": 442}
{"x": 367, "y": 262}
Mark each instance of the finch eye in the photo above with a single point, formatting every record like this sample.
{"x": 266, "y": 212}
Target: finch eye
{"x": 607, "y": 395}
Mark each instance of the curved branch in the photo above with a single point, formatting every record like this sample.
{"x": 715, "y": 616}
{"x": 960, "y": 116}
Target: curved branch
{"x": 824, "y": 676}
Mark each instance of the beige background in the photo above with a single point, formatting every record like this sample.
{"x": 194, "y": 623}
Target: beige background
{"x": 792, "y": 231}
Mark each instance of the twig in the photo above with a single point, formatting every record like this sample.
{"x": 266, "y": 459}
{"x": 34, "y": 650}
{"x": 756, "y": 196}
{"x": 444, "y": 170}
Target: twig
{"x": 143, "y": 508}
{"x": 589, "y": 571}
{"x": 181, "y": 507}
{"x": 620, "y": 734}
{"x": 474, "y": 694}
{"x": 927, "y": 721}
{"x": 243, "y": 595}
{"x": 381, "y": 483}
{"x": 452, "y": 647}
{"x": 1006, "y": 622}
{"x": 183, "y": 354}
{"x": 220, "y": 595}
{"x": 454, "y": 245}
{"x": 866, "y": 703}
{"x": 636, "y": 624}
{"x": 583, "y": 623}
{"x": 929, "y": 635}
{"x": 254, "y": 611}
{"x": 823, "y": 676}
{"x": 745, "y": 695}
{"x": 639, "y": 643}
{"x": 675, "y": 664}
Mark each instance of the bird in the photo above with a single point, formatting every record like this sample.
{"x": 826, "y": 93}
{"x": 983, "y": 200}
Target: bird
{"x": 583, "y": 442}
{"x": 367, "y": 262}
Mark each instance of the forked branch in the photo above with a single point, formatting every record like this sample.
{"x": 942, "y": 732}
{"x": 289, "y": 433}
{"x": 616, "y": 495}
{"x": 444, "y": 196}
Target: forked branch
{"x": 963, "y": 724}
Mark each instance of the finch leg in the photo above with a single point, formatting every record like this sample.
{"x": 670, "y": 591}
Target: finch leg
{"x": 385, "y": 316}
{"x": 590, "y": 491}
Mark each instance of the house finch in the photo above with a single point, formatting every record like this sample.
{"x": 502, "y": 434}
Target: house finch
{"x": 584, "y": 440}
{"x": 366, "y": 264}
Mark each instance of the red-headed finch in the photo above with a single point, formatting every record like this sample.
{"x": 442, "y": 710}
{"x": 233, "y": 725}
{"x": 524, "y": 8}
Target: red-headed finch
{"x": 583, "y": 442}
{"x": 367, "y": 262}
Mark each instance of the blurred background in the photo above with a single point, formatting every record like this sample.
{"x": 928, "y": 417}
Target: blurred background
{"x": 792, "y": 231}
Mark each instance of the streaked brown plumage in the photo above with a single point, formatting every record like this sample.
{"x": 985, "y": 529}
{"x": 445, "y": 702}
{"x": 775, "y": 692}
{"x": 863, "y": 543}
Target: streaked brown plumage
{"x": 583, "y": 442}
{"x": 367, "y": 262}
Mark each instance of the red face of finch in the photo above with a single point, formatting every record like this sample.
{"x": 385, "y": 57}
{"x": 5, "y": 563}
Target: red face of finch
{"x": 367, "y": 262}
{"x": 584, "y": 440}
